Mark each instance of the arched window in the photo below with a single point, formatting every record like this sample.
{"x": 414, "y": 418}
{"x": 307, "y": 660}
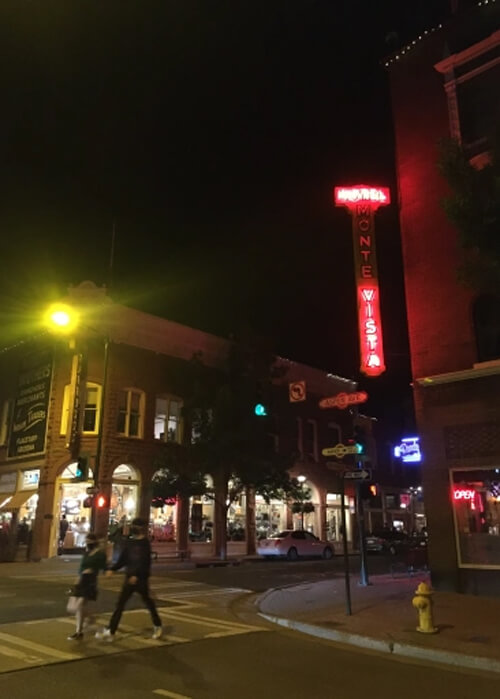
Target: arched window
{"x": 486, "y": 317}
{"x": 124, "y": 472}
{"x": 69, "y": 472}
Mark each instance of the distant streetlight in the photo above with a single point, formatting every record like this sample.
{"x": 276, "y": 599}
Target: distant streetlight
{"x": 301, "y": 480}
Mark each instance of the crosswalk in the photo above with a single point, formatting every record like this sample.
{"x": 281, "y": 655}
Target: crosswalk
{"x": 190, "y": 612}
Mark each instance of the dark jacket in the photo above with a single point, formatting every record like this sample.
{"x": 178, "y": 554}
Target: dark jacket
{"x": 135, "y": 557}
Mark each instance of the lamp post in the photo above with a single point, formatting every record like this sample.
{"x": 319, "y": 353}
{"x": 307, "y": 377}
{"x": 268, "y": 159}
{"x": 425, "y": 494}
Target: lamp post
{"x": 301, "y": 480}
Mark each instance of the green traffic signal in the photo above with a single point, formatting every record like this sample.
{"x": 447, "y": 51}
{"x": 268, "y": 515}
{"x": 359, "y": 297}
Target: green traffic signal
{"x": 260, "y": 410}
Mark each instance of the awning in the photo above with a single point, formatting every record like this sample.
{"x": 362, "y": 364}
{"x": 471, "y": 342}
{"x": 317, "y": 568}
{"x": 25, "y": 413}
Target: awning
{"x": 14, "y": 502}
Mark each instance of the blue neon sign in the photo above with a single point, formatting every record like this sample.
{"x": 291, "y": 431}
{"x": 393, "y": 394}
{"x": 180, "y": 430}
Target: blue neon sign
{"x": 409, "y": 450}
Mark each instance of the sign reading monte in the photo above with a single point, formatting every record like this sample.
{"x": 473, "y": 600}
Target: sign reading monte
{"x": 362, "y": 202}
{"x": 29, "y": 420}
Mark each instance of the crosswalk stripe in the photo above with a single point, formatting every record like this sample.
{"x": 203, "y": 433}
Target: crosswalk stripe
{"x": 45, "y": 650}
{"x": 13, "y": 653}
{"x": 207, "y": 621}
{"x": 132, "y": 629}
{"x": 172, "y": 695}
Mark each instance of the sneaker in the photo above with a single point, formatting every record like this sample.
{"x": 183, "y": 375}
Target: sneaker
{"x": 157, "y": 632}
{"x": 105, "y": 635}
{"x": 77, "y": 636}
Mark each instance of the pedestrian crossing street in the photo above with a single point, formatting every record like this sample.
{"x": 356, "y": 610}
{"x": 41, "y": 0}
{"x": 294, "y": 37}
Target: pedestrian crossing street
{"x": 190, "y": 611}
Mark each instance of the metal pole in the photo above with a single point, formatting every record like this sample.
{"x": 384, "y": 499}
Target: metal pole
{"x": 363, "y": 573}
{"x": 346, "y": 554}
{"x": 98, "y": 454}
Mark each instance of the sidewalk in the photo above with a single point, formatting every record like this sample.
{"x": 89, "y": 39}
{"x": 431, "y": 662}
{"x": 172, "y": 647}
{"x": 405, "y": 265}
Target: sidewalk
{"x": 384, "y": 620}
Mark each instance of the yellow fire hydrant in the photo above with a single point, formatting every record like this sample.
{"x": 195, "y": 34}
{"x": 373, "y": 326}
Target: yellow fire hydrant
{"x": 423, "y": 603}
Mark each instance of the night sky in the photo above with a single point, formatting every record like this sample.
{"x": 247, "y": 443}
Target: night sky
{"x": 211, "y": 133}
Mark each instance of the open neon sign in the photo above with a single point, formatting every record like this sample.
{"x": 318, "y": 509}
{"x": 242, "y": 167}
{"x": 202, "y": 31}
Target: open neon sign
{"x": 362, "y": 202}
{"x": 464, "y": 494}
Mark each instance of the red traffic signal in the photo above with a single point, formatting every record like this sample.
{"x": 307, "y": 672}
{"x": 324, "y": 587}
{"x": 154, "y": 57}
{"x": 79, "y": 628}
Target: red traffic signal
{"x": 101, "y": 501}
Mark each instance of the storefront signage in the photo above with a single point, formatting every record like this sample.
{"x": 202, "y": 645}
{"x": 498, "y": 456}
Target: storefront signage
{"x": 464, "y": 494}
{"x": 362, "y": 202}
{"x": 30, "y": 479}
{"x": 343, "y": 400}
{"x": 408, "y": 450}
{"x": 29, "y": 421}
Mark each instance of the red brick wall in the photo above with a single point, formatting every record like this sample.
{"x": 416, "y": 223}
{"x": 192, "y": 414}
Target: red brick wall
{"x": 439, "y": 309}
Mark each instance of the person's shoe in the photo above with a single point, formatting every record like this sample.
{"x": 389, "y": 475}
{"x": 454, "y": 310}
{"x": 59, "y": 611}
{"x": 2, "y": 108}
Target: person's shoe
{"x": 157, "y": 632}
{"x": 105, "y": 635}
{"x": 77, "y": 636}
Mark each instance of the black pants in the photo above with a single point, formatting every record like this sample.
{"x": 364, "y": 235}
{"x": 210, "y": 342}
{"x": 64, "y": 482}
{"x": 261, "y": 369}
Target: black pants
{"x": 142, "y": 588}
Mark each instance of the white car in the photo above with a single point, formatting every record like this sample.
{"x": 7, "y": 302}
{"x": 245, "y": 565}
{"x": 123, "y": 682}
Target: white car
{"x": 292, "y": 544}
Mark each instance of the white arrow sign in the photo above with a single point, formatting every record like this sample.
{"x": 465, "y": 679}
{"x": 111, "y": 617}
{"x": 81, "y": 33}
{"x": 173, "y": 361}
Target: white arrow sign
{"x": 360, "y": 475}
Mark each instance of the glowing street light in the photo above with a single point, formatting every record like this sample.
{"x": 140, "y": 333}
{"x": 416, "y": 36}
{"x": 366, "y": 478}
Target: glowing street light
{"x": 61, "y": 318}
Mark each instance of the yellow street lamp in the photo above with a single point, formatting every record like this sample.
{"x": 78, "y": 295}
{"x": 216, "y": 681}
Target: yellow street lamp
{"x": 61, "y": 318}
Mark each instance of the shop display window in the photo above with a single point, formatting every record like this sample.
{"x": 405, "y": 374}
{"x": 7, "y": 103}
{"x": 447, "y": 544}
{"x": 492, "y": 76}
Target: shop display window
{"x": 270, "y": 518}
{"x": 475, "y": 496}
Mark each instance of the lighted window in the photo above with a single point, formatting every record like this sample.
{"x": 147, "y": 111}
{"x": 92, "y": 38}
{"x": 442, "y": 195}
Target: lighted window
{"x": 4, "y": 421}
{"x": 475, "y": 497}
{"x": 131, "y": 412}
{"x": 168, "y": 419}
{"x": 311, "y": 440}
{"x": 91, "y": 412}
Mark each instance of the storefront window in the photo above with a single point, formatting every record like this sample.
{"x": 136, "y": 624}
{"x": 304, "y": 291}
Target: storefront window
{"x": 476, "y": 502}
{"x": 73, "y": 497}
{"x": 236, "y": 518}
{"x": 124, "y": 494}
{"x": 269, "y": 518}
{"x": 201, "y": 515}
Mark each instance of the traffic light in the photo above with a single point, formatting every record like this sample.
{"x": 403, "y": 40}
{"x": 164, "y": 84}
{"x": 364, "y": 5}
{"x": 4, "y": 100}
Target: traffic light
{"x": 260, "y": 410}
{"x": 82, "y": 469}
{"x": 360, "y": 439}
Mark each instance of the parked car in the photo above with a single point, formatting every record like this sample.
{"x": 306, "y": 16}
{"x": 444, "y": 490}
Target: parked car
{"x": 293, "y": 544}
{"x": 388, "y": 541}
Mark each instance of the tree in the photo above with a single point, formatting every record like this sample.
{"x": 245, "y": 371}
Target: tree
{"x": 227, "y": 439}
{"x": 473, "y": 207}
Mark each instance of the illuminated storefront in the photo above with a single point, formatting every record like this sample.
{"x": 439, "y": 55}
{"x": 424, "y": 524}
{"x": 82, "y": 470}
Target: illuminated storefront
{"x": 124, "y": 494}
{"x": 476, "y": 505}
{"x": 269, "y": 518}
{"x": 71, "y": 501}
{"x": 334, "y": 517}
{"x": 18, "y": 496}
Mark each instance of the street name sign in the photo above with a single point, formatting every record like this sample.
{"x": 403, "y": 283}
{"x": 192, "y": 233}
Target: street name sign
{"x": 92, "y": 490}
{"x": 360, "y": 475}
{"x": 340, "y": 450}
{"x": 342, "y": 400}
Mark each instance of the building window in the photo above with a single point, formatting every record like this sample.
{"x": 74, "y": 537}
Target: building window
{"x": 334, "y": 434}
{"x": 168, "y": 419}
{"x": 311, "y": 440}
{"x": 131, "y": 412}
{"x": 4, "y": 421}
{"x": 475, "y": 496}
{"x": 91, "y": 412}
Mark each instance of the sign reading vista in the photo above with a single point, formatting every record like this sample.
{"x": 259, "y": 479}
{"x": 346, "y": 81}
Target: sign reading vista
{"x": 362, "y": 202}
{"x": 29, "y": 421}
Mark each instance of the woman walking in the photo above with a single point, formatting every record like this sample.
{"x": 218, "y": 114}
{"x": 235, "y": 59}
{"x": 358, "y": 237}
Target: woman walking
{"x": 93, "y": 560}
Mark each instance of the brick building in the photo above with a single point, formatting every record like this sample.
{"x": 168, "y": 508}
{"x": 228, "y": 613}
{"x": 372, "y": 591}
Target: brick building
{"x": 446, "y": 82}
{"x": 127, "y": 428}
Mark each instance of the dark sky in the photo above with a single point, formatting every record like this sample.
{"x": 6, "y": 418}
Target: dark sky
{"x": 212, "y": 132}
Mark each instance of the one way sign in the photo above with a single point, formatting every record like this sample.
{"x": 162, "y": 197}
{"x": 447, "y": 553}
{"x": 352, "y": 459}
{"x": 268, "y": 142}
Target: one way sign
{"x": 359, "y": 475}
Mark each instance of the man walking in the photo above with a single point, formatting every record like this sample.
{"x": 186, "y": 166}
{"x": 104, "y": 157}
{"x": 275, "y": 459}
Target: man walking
{"x": 135, "y": 557}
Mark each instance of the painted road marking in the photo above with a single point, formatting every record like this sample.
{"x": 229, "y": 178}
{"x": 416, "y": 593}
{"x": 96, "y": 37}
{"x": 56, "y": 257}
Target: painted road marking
{"x": 45, "y": 650}
{"x": 13, "y": 653}
{"x": 172, "y": 695}
{"x": 208, "y": 621}
{"x": 133, "y": 630}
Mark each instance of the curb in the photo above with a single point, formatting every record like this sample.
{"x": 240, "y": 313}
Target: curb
{"x": 407, "y": 650}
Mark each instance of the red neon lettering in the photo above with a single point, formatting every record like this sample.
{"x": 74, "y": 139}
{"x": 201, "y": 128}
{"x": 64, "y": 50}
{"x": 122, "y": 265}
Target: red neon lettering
{"x": 368, "y": 294}
{"x": 366, "y": 271}
{"x": 362, "y": 193}
{"x": 365, "y": 240}
{"x": 372, "y": 361}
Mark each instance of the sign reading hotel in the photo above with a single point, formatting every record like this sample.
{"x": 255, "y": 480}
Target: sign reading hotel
{"x": 29, "y": 419}
{"x": 362, "y": 202}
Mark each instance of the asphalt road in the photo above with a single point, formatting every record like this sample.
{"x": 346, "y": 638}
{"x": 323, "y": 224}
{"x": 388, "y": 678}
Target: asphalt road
{"x": 215, "y": 645}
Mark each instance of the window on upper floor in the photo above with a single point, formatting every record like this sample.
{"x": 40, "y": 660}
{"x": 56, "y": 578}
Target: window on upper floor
{"x": 311, "y": 439}
{"x": 131, "y": 404}
{"x": 168, "y": 419}
{"x": 298, "y": 437}
{"x": 486, "y": 316}
{"x": 6, "y": 406}
{"x": 91, "y": 412}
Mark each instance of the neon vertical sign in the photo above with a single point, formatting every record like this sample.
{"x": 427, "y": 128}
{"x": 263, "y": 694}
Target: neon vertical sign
{"x": 362, "y": 202}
